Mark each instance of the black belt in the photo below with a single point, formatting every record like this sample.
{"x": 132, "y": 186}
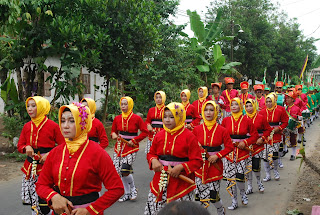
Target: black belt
{"x": 128, "y": 134}
{"x": 81, "y": 200}
{"x": 239, "y": 136}
{"x": 156, "y": 125}
{"x": 260, "y": 131}
{"x": 189, "y": 117}
{"x": 274, "y": 123}
{"x": 172, "y": 158}
{"x": 212, "y": 149}
{"x": 95, "y": 139}
{"x": 41, "y": 150}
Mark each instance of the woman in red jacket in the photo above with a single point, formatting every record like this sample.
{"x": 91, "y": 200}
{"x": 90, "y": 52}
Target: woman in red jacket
{"x": 97, "y": 133}
{"x": 192, "y": 116}
{"x": 125, "y": 129}
{"x": 154, "y": 118}
{"x": 39, "y": 136}
{"x": 202, "y": 94}
{"x": 235, "y": 167}
{"x": 212, "y": 137}
{"x": 264, "y": 131}
{"x": 174, "y": 151}
{"x": 278, "y": 120}
{"x": 72, "y": 176}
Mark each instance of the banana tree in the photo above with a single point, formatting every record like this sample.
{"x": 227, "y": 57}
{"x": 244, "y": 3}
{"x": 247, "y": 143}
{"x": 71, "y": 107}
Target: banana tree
{"x": 210, "y": 60}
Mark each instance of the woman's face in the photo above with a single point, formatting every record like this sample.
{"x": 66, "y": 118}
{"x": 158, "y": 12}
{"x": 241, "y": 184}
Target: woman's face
{"x": 168, "y": 119}
{"x": 32, "y": 108}
{"x": 68, "y": 126}
{"x": 124, "y": 105}
{"x": 269, "y": 103}
{"x": 209, "y": 112}
{"x": 200, "y": 93}
{"x": 235, "y": 107}
{"x": 158, "y": 99}
{"x": 249, "y": 107}
{"x": 184, "y": 97}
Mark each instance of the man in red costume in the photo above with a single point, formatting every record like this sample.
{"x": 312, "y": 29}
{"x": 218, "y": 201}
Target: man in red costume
{"x": 244, "y": 92}
{"x": 258, "y": 89}
{"x": 229, "y": 93}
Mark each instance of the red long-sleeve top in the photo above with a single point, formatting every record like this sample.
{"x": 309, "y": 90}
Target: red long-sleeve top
{"x": 192, "y": 114}
{"x": 197, "y": 104}
{"x": 98, "y": 133}
{"x": 46, "y": 135}
{"x": 182, "y": 144}
{"x": 216, "y": 137}
{"x": 80, "y": 174}
{"x": 216, "y": 99}
{"x": 245, "y": 96}
{"x": 262, "y": 103}
{"x": 228, "y": 96}
{"x": 132, "y": 124}
{"x": 299, "y": 103}
{"x": 294, "y": 111}
{"x": 304, "y": 98}
{"x": 276, "y": 118}
{"x": 154, "y": 113}
{"x": 243, "y": 126}
{"x": 264, "y": 130}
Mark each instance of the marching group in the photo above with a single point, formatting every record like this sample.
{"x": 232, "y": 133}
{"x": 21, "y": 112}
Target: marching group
{"x": 190, "y": 148}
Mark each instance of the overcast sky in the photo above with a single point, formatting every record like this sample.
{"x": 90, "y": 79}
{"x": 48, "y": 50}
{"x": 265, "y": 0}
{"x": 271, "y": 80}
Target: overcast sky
{"x": 307, "y": 13}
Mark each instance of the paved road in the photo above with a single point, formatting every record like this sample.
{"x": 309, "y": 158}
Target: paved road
{"x": 272, "y": 202}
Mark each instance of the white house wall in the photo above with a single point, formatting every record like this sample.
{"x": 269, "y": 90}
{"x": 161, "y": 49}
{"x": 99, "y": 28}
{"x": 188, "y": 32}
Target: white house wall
{"x": 94, "y": 79}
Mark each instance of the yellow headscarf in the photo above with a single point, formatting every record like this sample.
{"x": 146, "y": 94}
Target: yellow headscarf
{"x": 254, "y": 104}
{"x": 43, "y": 108}
{"x": 273, "y": 99}
{"x": 83, "y": 121}
{"x": 92, "y": 106}
{"x": 188, "y": 94}
{"x": 163, "y": 97}
{"x": 237, "y": 115}
{"x": 130, "y": 106}
{"x": 179, "y": 113}
{"x": 211, "y": 123}
{"x": 205, "y": 93}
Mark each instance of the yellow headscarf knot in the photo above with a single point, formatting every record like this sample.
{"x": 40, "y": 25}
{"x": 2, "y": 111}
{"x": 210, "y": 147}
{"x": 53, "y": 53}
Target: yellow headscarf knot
{"x": 163, "y": 97}
{"x": 43, "y": 108}
{"x": 211, "y": 123}
{"x": 179, "y": 114}
{"x": 254, "y": 104}
{"x": 130, "y": 106}
{"x": 205, "y": 93}
{"x": 83, "y": 121}
{"x": 188, "y": 94}
{"x": 237, "y": 115}
{"x": 92, "y": 106}
{"x": 272, "y": 96}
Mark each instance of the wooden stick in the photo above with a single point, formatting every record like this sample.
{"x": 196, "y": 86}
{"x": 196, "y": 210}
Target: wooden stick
{"x": 245, "y": 148}
{"x": 126, "y": 142}
{"x": 183, "y": 177}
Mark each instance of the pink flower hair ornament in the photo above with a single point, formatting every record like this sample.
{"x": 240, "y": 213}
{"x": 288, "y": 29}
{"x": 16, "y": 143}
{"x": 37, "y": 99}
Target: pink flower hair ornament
{"x": 83, "y": 114}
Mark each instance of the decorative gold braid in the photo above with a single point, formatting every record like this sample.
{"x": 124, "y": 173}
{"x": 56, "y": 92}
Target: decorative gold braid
{"x": 233, "y": 183}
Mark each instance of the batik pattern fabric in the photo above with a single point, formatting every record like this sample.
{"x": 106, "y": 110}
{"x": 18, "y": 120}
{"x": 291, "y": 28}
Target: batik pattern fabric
{"x": 230, "y": 171}
{"x": 118, "y": 161}
{"x": 153, "y": 207}
{"x": 28, "y": 193}
{"x": 269, "y": 149}
{"x": 203, "y": 190}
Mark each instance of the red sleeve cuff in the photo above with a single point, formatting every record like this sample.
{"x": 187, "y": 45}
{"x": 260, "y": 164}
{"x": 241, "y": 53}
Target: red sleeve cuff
{"x": 219, "y": 155}
{"x": 186, "y": 168}
{"x": 49, "y": 197}
{"x": 92, "y": 210}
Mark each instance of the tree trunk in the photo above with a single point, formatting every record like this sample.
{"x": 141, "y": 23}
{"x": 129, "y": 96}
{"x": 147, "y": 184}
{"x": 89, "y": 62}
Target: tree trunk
{"x": 104, "y": 110}
{"x": 40, "y": 83}
{"x": 20, "y": 85}
{"x": 3, "y": 76}
{"x": 80, "y": 88}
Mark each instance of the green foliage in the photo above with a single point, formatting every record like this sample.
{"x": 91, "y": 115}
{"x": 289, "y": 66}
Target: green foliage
{"x": 210, "y": 61}
{"x": 294, "y": 212}
{"x": 12, "y": 126}
{"x": 17, "y": 156}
